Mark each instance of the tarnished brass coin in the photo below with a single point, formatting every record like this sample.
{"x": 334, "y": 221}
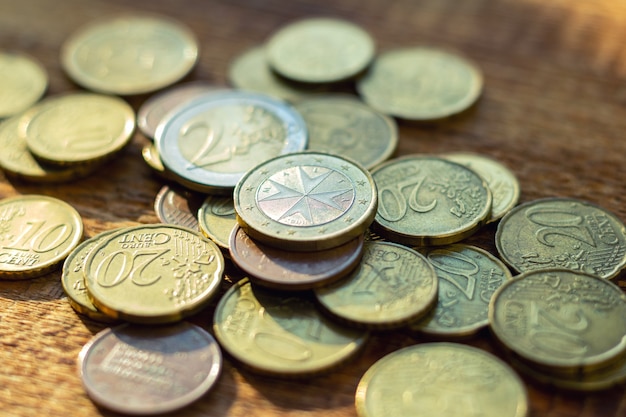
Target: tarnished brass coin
{"x": 146, "y": 370}
{"x": 287, "y": 270}
{"x": 77, "y": 128}
{"x": 217, "y": 219}
{"x": 175, "y": 205}
{"x": 73, "y": 279}
{"x": 37, "y": 233}
{"x": 281, "y": 334}
{"x": 392, "y": 286}
{"x": 22, "y": 82}
{"x": 151, "y": 157}
{"x": 468, "y": 276}
{"x": 441, "y": 379}
{"x": 562, "y": 233}
{"x": 320, "y": 50}
{"x": 424, "y": 200}
{"x": 420, "y": 83}
{"x": 503, "y": 184}
{"x": 153, "y": 273}
{"x": 561, "y": 321}
{"x": 209, "y": 143}
{"x": 129, "y": 54}
{"x": 17, "y": 161}
{"x": 343, "y": 125}
{"x": 251, "y": 71}
{"x": 306, "y": 201}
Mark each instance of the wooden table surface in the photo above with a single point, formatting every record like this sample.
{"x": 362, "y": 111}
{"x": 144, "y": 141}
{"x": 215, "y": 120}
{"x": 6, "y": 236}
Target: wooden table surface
{"x": 553, "y": 111}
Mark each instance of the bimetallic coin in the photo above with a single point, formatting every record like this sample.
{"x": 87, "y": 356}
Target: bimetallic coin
{"x": 17, "y": 161}
{"x": 129, "y": 54}
{"x": 251, "y": 71}
{"x": 392, "y": 286}
{"x": 155, "y": 109}
{"x": 281, "y": 334}
{"x": 153, "y": 273}
{"x": 287, "y": 270}
{"x": 562, "y": 233}
{"x": 306, "y": 201}
{"x": 505, "y": 188}
{"x": 174, "y": 205}
{"x": 22, "y": 82}
{"x": 320, "y": 50}
{"x": 424, "y": 201}
{"x": 468, "y": 276}
{"x": 562, "y": 321}
{"x": 73, "y": 279}
{"x": 217, "y": 219}
{"x": 441, "y": 379}
{"x": 343, "y": 125}
{"x": 420, "y": 83}
{"x": 77, "y": 128}
{"x": 213, "y": 140}
{"x": 142, "y": 370}
{"x": 37, "y": 233}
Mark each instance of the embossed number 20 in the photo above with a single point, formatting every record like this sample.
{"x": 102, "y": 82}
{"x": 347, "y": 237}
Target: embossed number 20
{"x": 397, "y": 210}
{"x": 120, "y": 265}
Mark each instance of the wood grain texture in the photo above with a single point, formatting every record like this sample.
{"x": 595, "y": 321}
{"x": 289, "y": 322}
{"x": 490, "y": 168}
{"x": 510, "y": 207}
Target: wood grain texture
{"x": 553, "y": 111}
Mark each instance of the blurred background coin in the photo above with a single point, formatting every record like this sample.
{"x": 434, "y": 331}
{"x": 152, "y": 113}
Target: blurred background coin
{"x": 23, "y": 81}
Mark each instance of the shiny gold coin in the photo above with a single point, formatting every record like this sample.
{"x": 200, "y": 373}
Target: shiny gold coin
{"x": 320, "y": 50}
{"x": 22, "y": 82}
{"x": 441, "y": 379}
{"x": 17, "y": 161}
{"x": 129, "y": 54}
{"x": 420, "y": 83}
{"x": 424, "y": 200}
{"x": 392, "y": 286}
{"x": 153, "y": 273}
{"x": 37, "y": 233}
{"x": 343, "y": 125}
{"x": 78, "y": 128}
{"x": 250, "y": 71}
{"x": 562, "y": 321}
{"x": 305, "y": 201}
{"x": 151, "y": 157}
{"x": 468, "y": 276}
{"x": 73, "y": 279}
{"x": 562, "y": 233}
{"x": 504, "y": 186}
{"x": 217, "y": 219}
{"x": 281, "y": 334}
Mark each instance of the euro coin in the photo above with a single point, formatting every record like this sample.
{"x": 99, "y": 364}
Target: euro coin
{"x": 343, "y": 125}
{"x": 73, "y": 279}
{"x": 504, "y": 186}
{"x": 320, "y": 50}
{"x": 153, "y": 273}
{"x": 23, "y": 81}
{"x": 424, "y": 201}
{"x": 132, "y": 54}
{"x": 217, "y": 219}
{"x": 281, "y": 334}
{"x": 37, "y": 233}
{"x": 420, "y": 83}
{"x": 392, "y": 286}
{"x": 306, "y": 201}
{"x": 212, "y": 141}
{"x": 78, "y": 128}
{"x": 559, "y": 320}
{"x": 440, "y": 379}
{"x": 151, "y": 157}
{"x": 288, "y": 270}
{"x": 250, "y": 71}
{"x": 175, "y": 205}
{"x": 142, "y": 370}
{"x": 468, "y": 276}
{"x": 562, "y": 233}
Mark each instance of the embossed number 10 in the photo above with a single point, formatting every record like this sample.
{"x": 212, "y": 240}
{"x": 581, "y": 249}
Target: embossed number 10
{"x": 116, "y": 267}
{"x": 41, "y": 239}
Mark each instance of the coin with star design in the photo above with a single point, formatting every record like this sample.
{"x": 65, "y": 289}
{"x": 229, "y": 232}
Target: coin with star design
{"x": 306, "y": 201}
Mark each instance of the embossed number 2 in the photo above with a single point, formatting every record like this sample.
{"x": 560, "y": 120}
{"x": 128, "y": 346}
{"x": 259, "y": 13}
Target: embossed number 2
{"x": 400, "y": 203}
